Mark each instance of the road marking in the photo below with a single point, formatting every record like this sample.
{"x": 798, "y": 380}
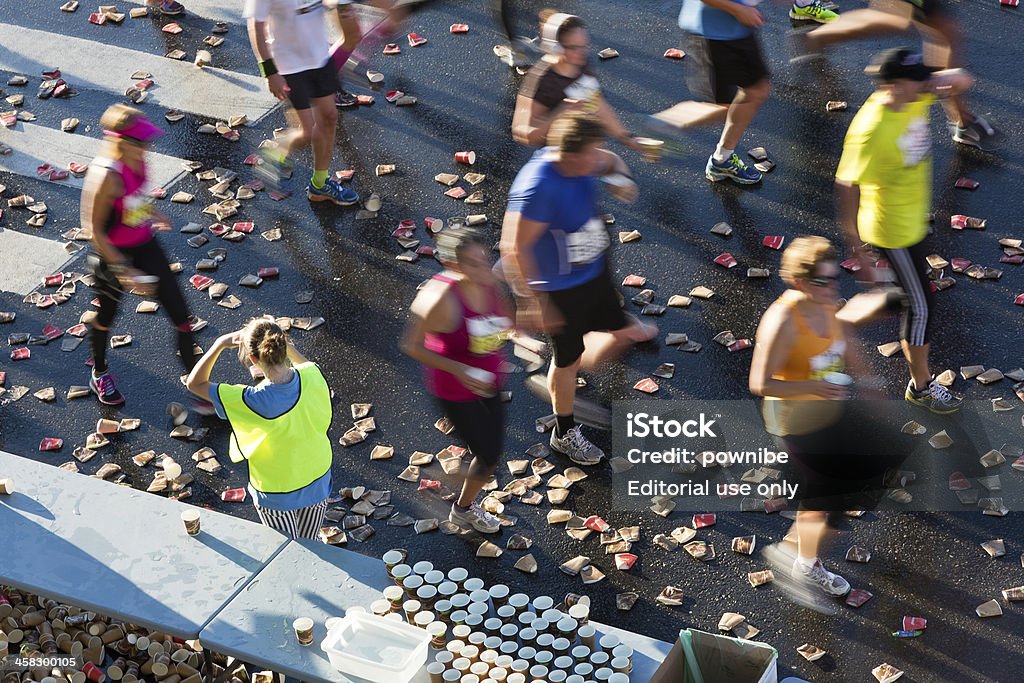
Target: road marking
{"x": 209, "y": 92}
{"x": 27, "y": 259}
{"x": 34, "y": 145}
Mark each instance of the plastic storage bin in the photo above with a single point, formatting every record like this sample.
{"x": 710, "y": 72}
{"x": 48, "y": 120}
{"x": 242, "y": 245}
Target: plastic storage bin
{"x": 379, "y": 650}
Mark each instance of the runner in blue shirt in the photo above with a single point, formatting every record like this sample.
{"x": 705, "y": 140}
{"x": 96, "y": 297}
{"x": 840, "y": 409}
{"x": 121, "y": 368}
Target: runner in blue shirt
{"x": 553, "y": 248}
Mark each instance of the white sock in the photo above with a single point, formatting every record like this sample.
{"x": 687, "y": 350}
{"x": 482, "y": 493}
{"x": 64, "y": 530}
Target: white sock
{"x": 722, "y": 155}
{"x": 805, "y": 563}
{"x": 803, "y": 3}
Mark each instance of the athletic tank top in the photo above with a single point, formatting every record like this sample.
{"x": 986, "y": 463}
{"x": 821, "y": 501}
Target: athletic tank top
{"x": 811, "y": 357}
{"x": 476, "y": 341}
{"x": 131, "y": 219}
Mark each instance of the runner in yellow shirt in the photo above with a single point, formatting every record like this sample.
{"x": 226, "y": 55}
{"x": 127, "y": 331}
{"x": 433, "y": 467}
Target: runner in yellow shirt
{"x": 884, "y": 195}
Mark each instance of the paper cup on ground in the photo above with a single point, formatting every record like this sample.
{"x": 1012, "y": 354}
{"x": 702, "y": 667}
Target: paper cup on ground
{"x": 6, "y": 486}
{"x": 303, "y": 630}
{"x": 466, "y": 157}
{"x": 190, "y": 518}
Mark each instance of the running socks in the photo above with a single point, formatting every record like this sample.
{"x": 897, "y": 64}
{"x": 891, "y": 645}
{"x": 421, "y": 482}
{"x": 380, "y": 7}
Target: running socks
{"x": 186, "y": 347}
{"x": 98, "y": 343}
{"x": 564, "y": 423}
{"x": 318, "y": 179}
{"x": 722, "y": 155}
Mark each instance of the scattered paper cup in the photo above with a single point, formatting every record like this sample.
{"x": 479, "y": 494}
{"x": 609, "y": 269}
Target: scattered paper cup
{"x": 6, "y": 486}
{"x": 466, "y": 157}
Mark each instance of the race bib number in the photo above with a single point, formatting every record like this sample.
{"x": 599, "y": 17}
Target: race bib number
{"x": 487, "y": 333}
{"x": 588, "y": 243}
{"x": 136, "y": 210}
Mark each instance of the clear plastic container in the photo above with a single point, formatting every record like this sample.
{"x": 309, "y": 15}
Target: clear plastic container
{"x": 376, "y": 649}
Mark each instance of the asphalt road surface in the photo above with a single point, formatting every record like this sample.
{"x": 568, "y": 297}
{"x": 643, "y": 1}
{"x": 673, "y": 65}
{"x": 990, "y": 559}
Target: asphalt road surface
{"x": 924, "y": 564}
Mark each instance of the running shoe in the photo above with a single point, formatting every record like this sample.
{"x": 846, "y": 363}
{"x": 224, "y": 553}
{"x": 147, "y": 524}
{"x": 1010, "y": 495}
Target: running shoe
{"x": 781, "y": 557}
{"x": 733, "y": 169}
{"x": 577, "y": 447}
{"x": 332, "y": 192}
{"x": 935, "y": 398}
{"x": 275, "y": 168}
{"x": 105, "y": 390}
{"x": 830, "y": 584}
{"x": 170, "y": 8}
{"x": 345, "y": 100}
{"x": 476, "y": 518}
{"x": 813, "y": 12}
{"x": 978, "y": 133}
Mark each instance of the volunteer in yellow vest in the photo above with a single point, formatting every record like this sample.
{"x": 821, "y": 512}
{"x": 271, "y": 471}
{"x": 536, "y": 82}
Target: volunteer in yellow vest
{"x": 799, "y": 343}
{"x": 884, "y": 186}
{"x": 278, "y": 426}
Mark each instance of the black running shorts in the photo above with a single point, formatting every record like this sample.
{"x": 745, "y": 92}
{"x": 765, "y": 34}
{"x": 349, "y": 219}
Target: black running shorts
{"x": 717, "y": 68}
{"x": 590, "y": 307}
{"x": 306, "y": 86}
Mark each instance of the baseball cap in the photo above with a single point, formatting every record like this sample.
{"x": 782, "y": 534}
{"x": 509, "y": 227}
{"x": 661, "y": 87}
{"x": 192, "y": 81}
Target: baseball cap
{"x": 899, "y": 63}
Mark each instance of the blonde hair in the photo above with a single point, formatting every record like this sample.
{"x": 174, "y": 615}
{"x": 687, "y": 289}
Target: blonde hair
{"x": 119, "y": 117}
{"x": 265, "y": 341}
{"x": 802, "y": 256}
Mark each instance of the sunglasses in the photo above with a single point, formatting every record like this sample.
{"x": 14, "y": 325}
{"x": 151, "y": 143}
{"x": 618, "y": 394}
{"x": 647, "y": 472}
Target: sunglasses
{"x": 823, "y": 281}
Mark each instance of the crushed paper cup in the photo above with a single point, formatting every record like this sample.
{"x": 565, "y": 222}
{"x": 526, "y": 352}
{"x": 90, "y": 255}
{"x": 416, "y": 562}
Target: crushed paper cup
{"x": 415, "y": 40}
{"x": 646, "y": 385}
{"x": 674, "y": 53}
{"x": 857, "y": 597}
{"x": 459, "y": 28}
{"x": 726, "y": 260}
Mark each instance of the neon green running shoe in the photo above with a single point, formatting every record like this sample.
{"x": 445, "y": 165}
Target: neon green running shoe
{"x": 813, "y": 12}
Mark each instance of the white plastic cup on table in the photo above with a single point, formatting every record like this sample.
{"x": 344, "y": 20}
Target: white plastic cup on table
{"x": 575, "y": 678}
{"x": 479, "y": 668}
{"x": 618, "y": 677}
{"x": 541, "y": 603}
{"x": 498, "y": 674}
{"x": 561, "y": 645}
{"x": 303, "y": 627}
{"x": 584, "y": 669}
{"x": 603, "y": 674}
{"x": 588, "y": 635}
{"x": 434, "y": 577}
{"x": 506, "y": 613}
{"x": 471, "y": 652}
{"x": 423, "y": 619}
{"x": 581, "y": 613}
{"x": 458, "y": 575}
{"x": 499, "y": 591}
{"x": 394, "y": 616}
{"x": 493, "y": 626}
{"x": 519, "y": 666}
{"x": 469, "y": 678}
{"x": 190, "y": 518}
{"x": 527, "y": 653}
{"x": 509, "y": 648}
{"x": 462, "y": 665}
{"x": 395, "y": 597}
{"x": 461, "y": 631}
{"x": 544, "y": 657}
{"x": 451, "y": 676}
{"x": 623, "y": 650}
{"x": 447, "y": 589}
{"x": 355, "y": 609}
{"x": 557, "y": 676}
{"x": 475, "y": 621}
{"x": 527, "y": 635}
{"x": 411, "y": 584}
{"x": 392, "y": 559}
{"x": 458, "y": 617}
{"x": 564, "y": 662}
{"x": 516, "y": 677}
{"x": 492, "y": 642}
{"x": 411, "y": 607}
{"x": 526, "y": 619}
{"x": 455, "y": 647}
{"x": 609, "y": 641}
{"x": 436, "y": 672}
{"x": 545, "y": 640}
{"x": 519, "y": 601}
{"x": 599, "y": 659}
{"x": 621, "y": 665}
{"x": 426, "y": 594}
{"x": 443, "y": 608}
{"x": 399, "y": 572}
{"x": 539, "y": 672}
{"x": 581, "y": 653}
{"x": 380, "y": 607}
{"x": 479, "y": 596}
{"x": 508, "y": 631}
{"x": 472, "y": 584}
{"x": 504, "y": 661}
{"x": 460, "y": 601}
{"x": 422, "y": 567}
{"x": 552, "y": 615}
{"x": 445, "y": 657}
{"x": 479, "y": 608}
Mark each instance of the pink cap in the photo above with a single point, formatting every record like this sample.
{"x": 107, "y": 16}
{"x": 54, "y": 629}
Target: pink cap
{"x": 142, "y": 129}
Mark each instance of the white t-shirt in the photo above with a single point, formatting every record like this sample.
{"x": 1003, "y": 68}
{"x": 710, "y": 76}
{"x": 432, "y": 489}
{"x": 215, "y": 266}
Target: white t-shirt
{"x": 296, "y": 32}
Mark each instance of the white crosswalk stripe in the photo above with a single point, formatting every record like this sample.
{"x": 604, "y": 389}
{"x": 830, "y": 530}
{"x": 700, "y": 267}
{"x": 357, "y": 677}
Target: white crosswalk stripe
{"x": 34, "y": 145}
{"x": 210, "y": 92}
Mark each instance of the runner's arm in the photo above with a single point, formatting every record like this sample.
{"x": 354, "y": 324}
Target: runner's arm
{"x": 350, "y": 30}
{"x": 532, "y": 120}
{"x": 613, "y": 125}
{"x": 258, "y": 40}
{"x": 518, "y": 235}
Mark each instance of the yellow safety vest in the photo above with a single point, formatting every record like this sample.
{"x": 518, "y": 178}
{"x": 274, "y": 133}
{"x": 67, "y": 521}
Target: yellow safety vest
{"x": 287, "y": 452}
